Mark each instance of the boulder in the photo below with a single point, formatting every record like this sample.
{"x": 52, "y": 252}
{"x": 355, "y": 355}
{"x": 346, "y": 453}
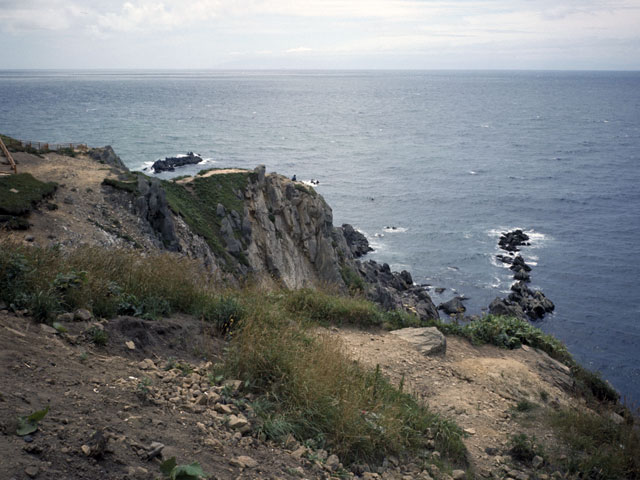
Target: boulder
{"x": 504, "y": 308}
{"x": 453, "y": 306}
{"x": 428, "y": 340}
{"x": 522, "y": 275}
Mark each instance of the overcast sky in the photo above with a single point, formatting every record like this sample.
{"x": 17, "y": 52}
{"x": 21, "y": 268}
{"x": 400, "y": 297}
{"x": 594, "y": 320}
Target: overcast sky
{"x": 376, "y": 34}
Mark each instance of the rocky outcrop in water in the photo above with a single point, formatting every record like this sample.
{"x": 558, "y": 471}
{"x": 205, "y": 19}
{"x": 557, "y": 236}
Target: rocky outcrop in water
{"x": 510, "y": 241}
{"x": 169, "y": 164}
{"x": 522, "y": 301}
{"x": 453, "y": 306}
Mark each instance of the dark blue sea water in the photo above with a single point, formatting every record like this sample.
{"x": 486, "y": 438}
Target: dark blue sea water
{"x": 450, "y": 158}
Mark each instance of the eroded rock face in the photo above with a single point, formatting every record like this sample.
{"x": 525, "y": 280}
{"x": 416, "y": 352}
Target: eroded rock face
{"x": 151, "y": 204}
{"x": 292, "y": 238}
{"x": 107, "y": 156}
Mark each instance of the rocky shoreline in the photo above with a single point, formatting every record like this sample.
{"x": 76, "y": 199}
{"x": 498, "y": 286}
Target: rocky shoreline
{"x": 522, "y": 302}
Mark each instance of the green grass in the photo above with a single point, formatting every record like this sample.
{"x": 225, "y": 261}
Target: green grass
{"x": 14, "y": 145}
{"x": 107, "y": 282}
{"x": 598, "y": 447}
{"x": 30, "y": 192}
{"x": 305, "y": 189}
{"x": 354, "y": 282}
{"x": 127, "y": 186}
{"x": 307, "y": 387}
{"x": 523, "y": 448}
{"x": 324, "y": 308}
{"x": 197, "y": 204}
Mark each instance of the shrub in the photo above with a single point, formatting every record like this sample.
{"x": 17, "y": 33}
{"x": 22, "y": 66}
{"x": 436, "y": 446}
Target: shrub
{"x": 352, "y": 280}
{"x": 97, "y": 336}
{"x": 509, "y": 332}
{"x": 525, "y": 406}
{"x": 523, "y": 448}
{"x": 44, "y": 306}
{"x": 14, "y": 269}
{"x": 224, "y": 312}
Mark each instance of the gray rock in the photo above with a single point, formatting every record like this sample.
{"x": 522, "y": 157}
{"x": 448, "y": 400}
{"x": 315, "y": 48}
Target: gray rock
{"x": 458, "y": 475}
{"x": 453, "y": 306}
{"x": 82, "y": 315}
{"x": 65, "y": 317}
{"x": 151, "y": 205}
{"x": 428, "y": 340}
{"x": 537, "y": 461}
{"x": 108, "y": 156}
{"x": 220, "y": 210}
{"x": 68, "y": 200}
{"x": 505, "y": 308}
{"x": 243, "y": 461}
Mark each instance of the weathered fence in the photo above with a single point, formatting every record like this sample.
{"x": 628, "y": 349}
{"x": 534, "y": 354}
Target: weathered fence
{"x": 51, "y": 147}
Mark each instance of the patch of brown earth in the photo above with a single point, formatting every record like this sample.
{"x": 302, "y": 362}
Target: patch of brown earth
{"x": 210, "y": 173}
{"x": 478, "y": 387}
{"x": 88, "y": 212}
{"x": 149, "y": 400}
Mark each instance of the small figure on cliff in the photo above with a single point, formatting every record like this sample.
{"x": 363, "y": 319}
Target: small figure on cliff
{"x": 293, "y": 178}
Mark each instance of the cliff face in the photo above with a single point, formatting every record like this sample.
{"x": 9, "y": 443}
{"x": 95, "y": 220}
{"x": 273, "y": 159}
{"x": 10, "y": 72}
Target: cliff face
{"x": 292, "y": 235}
{"x": 280, "y": 231}
{"x": 240, "y": 223}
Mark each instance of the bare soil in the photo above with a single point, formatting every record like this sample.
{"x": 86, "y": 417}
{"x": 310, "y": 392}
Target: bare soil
{"x": 133, "y": 398}
{"x": 478, "y": 387}
{"x": 87, "y": 211}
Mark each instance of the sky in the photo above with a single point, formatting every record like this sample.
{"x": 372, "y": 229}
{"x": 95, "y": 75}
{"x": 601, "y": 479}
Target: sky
{"x": 320, "y": 34}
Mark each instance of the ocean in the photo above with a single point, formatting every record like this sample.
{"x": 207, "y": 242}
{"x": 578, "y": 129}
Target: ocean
{"x": 432, "y": 166}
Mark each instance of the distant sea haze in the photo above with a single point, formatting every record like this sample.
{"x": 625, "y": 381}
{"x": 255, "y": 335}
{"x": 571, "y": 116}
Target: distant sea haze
{"x": 451, "y": 159}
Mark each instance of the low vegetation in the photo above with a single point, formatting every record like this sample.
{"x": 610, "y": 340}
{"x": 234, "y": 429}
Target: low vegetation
{"x": 196, "y": 202}
{"x": 511, "y": 332}
{"x": 302, "y": 382}
{"x": 19, "y": 193}
{"x": 308, "y": 388}
{"x": 599, "y": 447}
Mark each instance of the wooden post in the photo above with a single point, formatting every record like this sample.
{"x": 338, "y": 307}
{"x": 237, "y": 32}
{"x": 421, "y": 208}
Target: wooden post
{"x": 8, "y": 155}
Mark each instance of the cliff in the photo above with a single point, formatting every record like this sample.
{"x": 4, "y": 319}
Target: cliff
{"x": 121, "y": 353}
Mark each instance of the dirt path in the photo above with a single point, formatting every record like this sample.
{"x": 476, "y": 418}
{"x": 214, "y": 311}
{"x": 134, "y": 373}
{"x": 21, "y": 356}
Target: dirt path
{"x": 210, "y": 173}
{"x": 476, "y": 386}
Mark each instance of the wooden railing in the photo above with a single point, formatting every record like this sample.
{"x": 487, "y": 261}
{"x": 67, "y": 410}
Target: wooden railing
{"x": 52, "y": 147}
{"x": 6, "y": 153}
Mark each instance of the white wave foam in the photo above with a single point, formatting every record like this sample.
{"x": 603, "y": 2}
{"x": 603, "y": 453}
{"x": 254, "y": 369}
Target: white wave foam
{"x": 535, "y": 238}
{"x": 472, "y": 172}
{"x": 395, "y": 229}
